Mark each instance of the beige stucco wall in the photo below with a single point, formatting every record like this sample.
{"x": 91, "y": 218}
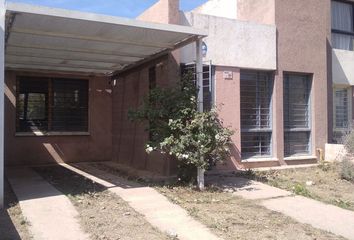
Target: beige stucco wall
{"x": 260, "y": 11}
{"x": 233, "y": 43}
{"x": 31, "y": 150}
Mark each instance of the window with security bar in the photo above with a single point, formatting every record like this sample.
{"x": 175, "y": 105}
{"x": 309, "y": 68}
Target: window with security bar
{"x": 51, "y": 104}
{"x": 297, "y": 114}
{"x": 341, "y": 108}
{"x": 207, "y": 82}
{"x": 256, "y": 114}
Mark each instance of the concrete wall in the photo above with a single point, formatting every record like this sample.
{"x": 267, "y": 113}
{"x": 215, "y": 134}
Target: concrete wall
{"x": 31, "y": 150}
{"x": 259, "y": 11}
{"x": 219, "y": 8}
{"x": 233, "y": 43}
{"x": 343, "y": 67}
{"x": 303, "y": 37}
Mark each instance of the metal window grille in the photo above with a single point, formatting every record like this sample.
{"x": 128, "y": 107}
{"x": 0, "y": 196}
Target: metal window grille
{"x": 208, "y": 95}
{"x": 341, "y": 108}
{"x": 256, "y": 94}
{"x": 297, "y": 116}
{"x": 48, "y": 104}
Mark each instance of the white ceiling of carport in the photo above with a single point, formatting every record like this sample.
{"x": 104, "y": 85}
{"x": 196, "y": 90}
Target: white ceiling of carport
{"x": 41, "y": 38}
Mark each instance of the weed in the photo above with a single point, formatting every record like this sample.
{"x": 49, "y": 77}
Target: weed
{"x": 300, "y": 189}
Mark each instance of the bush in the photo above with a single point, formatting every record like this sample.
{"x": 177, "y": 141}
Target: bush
{"x": 347, "y": 169}
{"x": 196, "y": 139}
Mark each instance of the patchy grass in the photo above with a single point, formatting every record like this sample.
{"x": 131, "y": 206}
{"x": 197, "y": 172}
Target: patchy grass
{"x": 323, "y": 183}
{"x": 102, "y": 214}
{"x": 232, "y": 218}
{"x": 13, "y": 225}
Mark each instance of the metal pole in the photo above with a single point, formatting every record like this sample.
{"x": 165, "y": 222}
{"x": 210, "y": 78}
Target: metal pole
{"x": 199, "y": 71}
{"x": 2, "y": 83}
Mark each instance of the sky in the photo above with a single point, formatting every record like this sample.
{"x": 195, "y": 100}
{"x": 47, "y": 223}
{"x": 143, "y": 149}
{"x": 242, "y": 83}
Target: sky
{"x": 122, "y": 8}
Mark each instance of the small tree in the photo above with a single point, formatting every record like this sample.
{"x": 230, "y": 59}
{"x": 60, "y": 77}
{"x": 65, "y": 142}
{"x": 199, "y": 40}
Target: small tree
{"x": 176, "y": 128}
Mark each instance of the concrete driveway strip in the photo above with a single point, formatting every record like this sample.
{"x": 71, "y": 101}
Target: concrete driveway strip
{"x": 323, "y": 216}
{"x": 50, "y": 213}
{"x": 157, "y": 209}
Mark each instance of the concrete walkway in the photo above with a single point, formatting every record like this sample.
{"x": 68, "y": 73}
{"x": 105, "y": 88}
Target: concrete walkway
{"x": 319, "y": 215}
{"x": 161, "y": 213}
{"x": 50, "y": 213}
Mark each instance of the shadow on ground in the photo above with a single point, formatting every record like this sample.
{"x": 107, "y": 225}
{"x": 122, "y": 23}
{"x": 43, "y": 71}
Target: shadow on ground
{"x": 7, "y": 228}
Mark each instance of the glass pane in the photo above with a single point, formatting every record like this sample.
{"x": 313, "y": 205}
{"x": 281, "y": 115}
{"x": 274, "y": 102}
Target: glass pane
{"x": 32, "y": 105}
{"x": 296, "y": 101}
{"x": 341, "y": 108}
{"x": 256, "y": 95}
{"x": 70, "y": 105}
{"x": 342, "y": 16}
{"x": 297, "y": 143}
{"x": 256, "y": 144}
{"x": 342, "y": 41}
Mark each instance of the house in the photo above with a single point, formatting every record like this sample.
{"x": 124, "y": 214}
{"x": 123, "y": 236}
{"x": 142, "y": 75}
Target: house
{"x": 280, "y": 73}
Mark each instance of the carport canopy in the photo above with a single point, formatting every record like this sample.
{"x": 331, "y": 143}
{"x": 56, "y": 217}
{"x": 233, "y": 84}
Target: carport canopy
{"x": 36, "y": 38}
{"x": 42, "y": 38}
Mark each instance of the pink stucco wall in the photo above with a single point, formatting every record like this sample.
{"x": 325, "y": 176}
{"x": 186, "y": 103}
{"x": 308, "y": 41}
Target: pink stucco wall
{"x": 32, "y": 150}
{"x": 303, "y": 37}
{"x": 129, "y": 138}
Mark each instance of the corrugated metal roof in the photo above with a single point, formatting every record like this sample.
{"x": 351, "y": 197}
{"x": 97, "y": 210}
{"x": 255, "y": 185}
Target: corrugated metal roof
{"x": 56, "y": 39}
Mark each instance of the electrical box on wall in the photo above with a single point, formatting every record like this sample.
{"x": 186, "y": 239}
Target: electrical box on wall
{"x": 228, "y": 75}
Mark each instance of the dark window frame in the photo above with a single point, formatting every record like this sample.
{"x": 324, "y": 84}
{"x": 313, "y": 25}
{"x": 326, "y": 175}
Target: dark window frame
{"x": 50, "y": 109}
{"x": 298, "y": 130}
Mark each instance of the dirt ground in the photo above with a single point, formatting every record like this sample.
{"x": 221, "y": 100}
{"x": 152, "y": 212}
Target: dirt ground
{"x": 322, "y": 183}
{"x": 232, "y": 218}
{"x": 13, "y": 226}
{"x": 102, "y": 214}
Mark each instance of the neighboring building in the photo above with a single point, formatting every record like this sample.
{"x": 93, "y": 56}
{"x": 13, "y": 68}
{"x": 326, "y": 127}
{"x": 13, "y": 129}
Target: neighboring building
{"x": 342, "y": 66}
{"x": 268, "y": 67}
{"x": 271, "y": 76}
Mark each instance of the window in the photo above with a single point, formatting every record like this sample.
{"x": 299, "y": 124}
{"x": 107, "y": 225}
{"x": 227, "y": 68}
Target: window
{"x": 297, "y": 89}
{"x": 207, "y": 82}
{"x": 341, "y": 108}
{"x": 342, "y": 25}
{"x": 256, "y": 111}
{"x": 52, "y": 104}
{"x": 342, "y": 113}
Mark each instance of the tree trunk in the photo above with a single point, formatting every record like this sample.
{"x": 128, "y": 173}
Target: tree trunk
{"x": 200, "y": 179}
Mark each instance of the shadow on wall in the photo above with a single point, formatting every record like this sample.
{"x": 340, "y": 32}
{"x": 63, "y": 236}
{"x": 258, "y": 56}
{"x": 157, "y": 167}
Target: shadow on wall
{"x": 339, "y": 74}
{"x": 34, "y": 150}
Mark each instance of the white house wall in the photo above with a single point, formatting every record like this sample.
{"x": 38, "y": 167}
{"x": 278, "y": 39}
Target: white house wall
{"x": 233, "y": 43}
{"x": 219, "y": 8}
{"x": 343, "y": 67}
